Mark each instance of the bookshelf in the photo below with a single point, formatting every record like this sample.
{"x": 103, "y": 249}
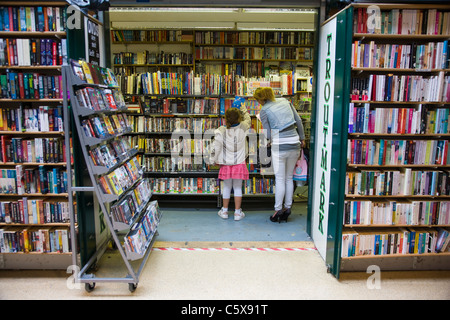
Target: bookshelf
{"x": 34, "y": 218}
{"x": 194, "y": 96}
{"x": 124, "y": 194}
{"x": 392, "y": 151}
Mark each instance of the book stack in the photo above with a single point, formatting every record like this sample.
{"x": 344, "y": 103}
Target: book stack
{"x": 110, "y": 154}
{"x": 138, "y": 239}
{"x": 25, "y": 85}
{"x": 32, "y": 52}
{"x": 369, "y": 183}
{"x": 146, "y": 57}
{"x": 33, "y": 19}
{"x": 398, "y": 152}
{"x": 105, "y": 126}
{"x": 122, "y": 178}
{"x": 41, "y": 240}
{"x": 404, "y": 21}
{"x": 28, "y": 119}
{"x": 415, "y": 213}
{"x": 391, "y": 87}
{"x": 433, "y": 55}
{"x": 132, "y": 204}
{"x": 29, "y": 150}
{"x": 34, "y": 211}
{"x": 387, "y": 242}
{"x": 418, "y": 120}
{"x": 181, "y": 185}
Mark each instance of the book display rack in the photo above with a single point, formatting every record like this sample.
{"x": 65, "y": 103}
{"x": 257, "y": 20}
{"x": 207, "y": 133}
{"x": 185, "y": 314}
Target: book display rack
{"x": 390, "y": 138}
{"x": 117, "y": 178}
{"x": 34, "y": 206}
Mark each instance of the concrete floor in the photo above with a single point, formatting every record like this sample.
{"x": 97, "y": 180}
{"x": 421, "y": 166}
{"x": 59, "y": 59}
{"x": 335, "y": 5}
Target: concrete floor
{"x": 212, "y": 274}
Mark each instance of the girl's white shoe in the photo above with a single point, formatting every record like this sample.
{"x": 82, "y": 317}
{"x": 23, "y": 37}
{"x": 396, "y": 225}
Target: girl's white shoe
{"x": 223, "y": 214}
{"x": 238, "y": 215}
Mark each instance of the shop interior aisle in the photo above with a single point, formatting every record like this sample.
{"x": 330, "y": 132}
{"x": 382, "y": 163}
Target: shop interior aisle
{"x": 189, "y": 262}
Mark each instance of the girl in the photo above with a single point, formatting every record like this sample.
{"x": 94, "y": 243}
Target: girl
{"x": 286, "y": 134}
{"x": 230, "y": 153}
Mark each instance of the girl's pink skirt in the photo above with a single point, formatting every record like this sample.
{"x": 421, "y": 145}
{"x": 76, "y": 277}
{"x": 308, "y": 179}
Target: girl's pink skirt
{"x": 238, "y": 171}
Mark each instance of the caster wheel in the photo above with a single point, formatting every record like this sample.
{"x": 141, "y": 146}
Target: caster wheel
{"x": 89, "y": 287}
{"x": 132, "y": 287}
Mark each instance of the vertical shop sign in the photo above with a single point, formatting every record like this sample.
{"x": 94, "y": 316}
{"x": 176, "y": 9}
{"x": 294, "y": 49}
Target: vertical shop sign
{"x": 93, "y": 35}
{"x": 324, "y": 129}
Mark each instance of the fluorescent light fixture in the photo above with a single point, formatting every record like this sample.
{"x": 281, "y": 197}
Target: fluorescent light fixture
{"x": 158, "y": 10}
{"x": 279, "y": 10}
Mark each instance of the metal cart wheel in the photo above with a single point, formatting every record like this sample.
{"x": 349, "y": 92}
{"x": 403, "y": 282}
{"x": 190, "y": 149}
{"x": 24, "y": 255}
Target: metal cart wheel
{"x": 132, "y": 287}
{"x": 89, "y": 287}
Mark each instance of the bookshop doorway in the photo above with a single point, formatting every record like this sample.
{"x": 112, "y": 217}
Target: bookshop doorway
{"x": 197, "y": 221}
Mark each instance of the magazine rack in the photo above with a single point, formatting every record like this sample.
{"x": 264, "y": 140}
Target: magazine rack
{"x": 117, "y": 178}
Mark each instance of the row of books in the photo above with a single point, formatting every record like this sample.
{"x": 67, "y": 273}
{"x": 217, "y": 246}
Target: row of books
{"x": 33, "y": 180}
{"x": 180, "y": 147}
{"x": 93, "y": 74}
{"x": 151, "y": 35}
{"x": 143, "y": 124}
{"x": 122, "y": 178}
{"x": 139, "y": 238}
{"x": 105, "y": 126}
{"x": 403, "y": 88}
{"x": 170, "y": 83}
{"x": 398, "y": 120}
{"x": 398, "y": 152}
{"x": 29, "y": 119}
{"x": 40, "y": 18}
{"x": 424, "y": 213}
{"x": 184, "y": 185}
{"x": 256, "y": 185}
{"x": 255, "y": 37}
{"x": 402, "y": 21}
{"x": 132, "y": 204}
{"x": 111, "y": 153}
{"x": 250, "y": 53}
{"x": 179, "y": 164}
{"x": 100, "y": 99}
{"x": 40, "y": 180}
{"x": 191, "y": 106}
{"x": 31, "y": 150}
{"x": 146, "y": 57}
{"x": 388, "y": 242}
{"x": 34, "y": 211}
{"x": 434, "y": 183}
{"x": 19, "y": 85}
{"x": 32, "y": 52}
{"x": 401, "y": 56}
{"x": 40, "y": 240}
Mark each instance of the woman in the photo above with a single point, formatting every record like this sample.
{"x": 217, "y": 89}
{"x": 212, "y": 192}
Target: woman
{"x": 230, "y": 153}
{"x": 284, "y": 129}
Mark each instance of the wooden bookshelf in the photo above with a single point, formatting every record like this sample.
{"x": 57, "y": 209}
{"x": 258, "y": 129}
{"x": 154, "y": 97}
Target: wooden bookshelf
{"x": 386, "y": 232}
{"x": 33, "y": 256}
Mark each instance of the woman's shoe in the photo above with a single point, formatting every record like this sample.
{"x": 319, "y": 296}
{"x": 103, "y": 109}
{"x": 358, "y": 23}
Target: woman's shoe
{"x": 276, "y": 216}
{"x": 285, "y": 214}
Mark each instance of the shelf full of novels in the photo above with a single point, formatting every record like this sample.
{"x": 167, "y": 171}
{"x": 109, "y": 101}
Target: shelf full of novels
{"x": 117, "y": 178}
{"x": 34, "y": 207}
{"x": 397, "y": 188}
{"x": 246, "y": 53}
{"x": 174, "y": 129}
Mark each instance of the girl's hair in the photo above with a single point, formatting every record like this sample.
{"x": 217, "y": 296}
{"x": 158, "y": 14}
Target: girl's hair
{"x": 232, "y": 117}
{"x": 264, "y": 93}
